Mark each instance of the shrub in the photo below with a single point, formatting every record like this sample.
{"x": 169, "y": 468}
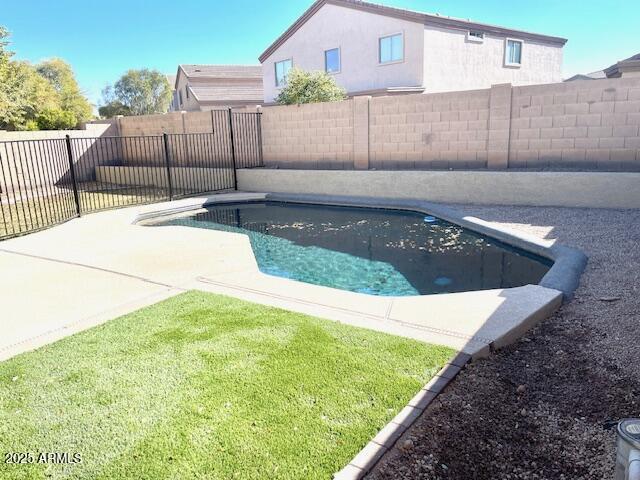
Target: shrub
{"x": 310, "y": 87}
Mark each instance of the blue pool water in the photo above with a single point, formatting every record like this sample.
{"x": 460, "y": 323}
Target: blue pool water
{"x": 368, "y": 250}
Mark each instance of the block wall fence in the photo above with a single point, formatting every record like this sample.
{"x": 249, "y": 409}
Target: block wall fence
{"x": 582, "y": 125}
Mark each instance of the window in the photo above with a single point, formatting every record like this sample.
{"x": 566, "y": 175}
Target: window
{"x": 180, "y": 95}
{"x": 332, "y": 60}
{"x": 391, "y": 48}
{"x": 186, "y": 90}
{"x": 475, "y": 36}
{"x": 513, "y": 52}
{"x": 282, "y": 69}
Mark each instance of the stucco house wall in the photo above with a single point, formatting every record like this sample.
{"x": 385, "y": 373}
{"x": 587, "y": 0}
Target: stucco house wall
{"x": 356, "y": 33}
{"x": 188, "y": 104}
{"x": 452, "y": 62}
{"x": 439, "y": 56}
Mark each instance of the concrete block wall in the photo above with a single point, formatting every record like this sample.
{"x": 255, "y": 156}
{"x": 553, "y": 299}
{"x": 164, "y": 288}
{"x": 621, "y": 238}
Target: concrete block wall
{"x": 193, "y": 150}
{"x": 442, "y": 130}
{"x": 592, "y": 124}
{"x": 582, "y": 125}
{"x": 29, "y": 164}
{"x": 319, "y": 135}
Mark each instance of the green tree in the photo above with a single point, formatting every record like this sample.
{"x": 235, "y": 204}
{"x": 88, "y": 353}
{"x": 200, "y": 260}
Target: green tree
{"x": 142, "y": 92}
{"x": 309, "y": 87}
{"x": 112, "y": 109}
{"x": 56, "y": 119}
{"x": 23, "y": 93}
{"x": 31, "y": 97}
{"x": 60, "y": 74}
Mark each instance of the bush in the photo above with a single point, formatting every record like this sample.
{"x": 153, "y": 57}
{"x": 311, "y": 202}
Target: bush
{"x": 310, "y": 87}
{"x": 56, "y": 119}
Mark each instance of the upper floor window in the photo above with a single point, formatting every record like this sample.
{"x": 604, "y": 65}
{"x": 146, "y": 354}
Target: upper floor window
{"x": 513, "y": 52}
{"x": 282, "y": 69}
{"x": 332, "y": 60}
{"x": 180, "y": 96}
{"x": 186, "y": 90}
{"x": 475, "y": 36}
{"x": 391, "y": 48}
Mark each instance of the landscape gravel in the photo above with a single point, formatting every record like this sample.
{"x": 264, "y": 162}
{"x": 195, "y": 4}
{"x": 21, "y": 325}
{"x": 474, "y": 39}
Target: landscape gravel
{"x": 543, "y": 407}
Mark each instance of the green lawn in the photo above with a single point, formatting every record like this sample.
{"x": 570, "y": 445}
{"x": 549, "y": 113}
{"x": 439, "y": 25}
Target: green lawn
{"x": 206, "y": 386}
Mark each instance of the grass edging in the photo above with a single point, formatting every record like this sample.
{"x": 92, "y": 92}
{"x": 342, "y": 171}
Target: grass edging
{"x": 367, "y": 458}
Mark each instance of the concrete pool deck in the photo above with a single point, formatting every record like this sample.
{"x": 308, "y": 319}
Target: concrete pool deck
{"x": 103, "y": 265}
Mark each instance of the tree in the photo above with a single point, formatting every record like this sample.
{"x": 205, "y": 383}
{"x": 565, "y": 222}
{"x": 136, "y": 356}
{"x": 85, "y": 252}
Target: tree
{"x": 138, "y": 92}
{"x": 309, "y": 87}
{"x": 61, "y": 76}
{"x": 112, "y": 109}
{"x": 23, "y": 93}
{"x": 36, "y": 96}
{"x": 56, "y": 119}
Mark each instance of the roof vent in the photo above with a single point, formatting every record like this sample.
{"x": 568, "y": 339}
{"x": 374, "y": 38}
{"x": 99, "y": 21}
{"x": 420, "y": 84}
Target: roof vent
{"x": 197, "y": 70}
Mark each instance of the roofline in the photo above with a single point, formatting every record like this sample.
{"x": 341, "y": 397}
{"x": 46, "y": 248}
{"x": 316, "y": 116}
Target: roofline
{"x": 423, "y": 18}
{"x": 180, "y": 69}
{"x": 204, "y": 102}
{"x": 622, "y": 65}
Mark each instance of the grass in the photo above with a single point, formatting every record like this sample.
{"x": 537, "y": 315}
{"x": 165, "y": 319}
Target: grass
{"x": 206, "y": 386}
{"x": 47, "y": 210}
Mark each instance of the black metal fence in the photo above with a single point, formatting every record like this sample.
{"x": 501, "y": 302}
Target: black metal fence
{"x": 48, "y": 181}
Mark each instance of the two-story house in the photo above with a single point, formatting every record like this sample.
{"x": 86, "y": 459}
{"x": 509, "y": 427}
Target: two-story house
{"x": 207, "y": 87}
{"x": 378, "y": 50}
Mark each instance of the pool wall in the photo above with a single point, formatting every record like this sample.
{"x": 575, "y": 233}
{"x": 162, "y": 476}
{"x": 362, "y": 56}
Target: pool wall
{"x": 537, "y": 189}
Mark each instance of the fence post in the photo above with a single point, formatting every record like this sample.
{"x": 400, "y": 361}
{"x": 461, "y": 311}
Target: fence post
{"x": 260, "y": 153}
{"x": 72, "y": 171}
{"x": 167, "y": 161}
{"x": 233, "y": 151}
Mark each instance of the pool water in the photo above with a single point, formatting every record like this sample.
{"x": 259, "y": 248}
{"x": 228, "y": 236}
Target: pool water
{"x": 370, "y": 250}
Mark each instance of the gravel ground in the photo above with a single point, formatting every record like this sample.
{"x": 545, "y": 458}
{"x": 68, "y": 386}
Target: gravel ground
{"x": 537, "y": 409}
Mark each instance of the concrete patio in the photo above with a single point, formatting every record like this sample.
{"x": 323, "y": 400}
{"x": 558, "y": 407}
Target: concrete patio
{"x": 103, "y": 265}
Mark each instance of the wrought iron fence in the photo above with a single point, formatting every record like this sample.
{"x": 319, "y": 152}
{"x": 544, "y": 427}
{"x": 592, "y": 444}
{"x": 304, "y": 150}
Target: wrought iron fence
{"x": 48, "y": 181}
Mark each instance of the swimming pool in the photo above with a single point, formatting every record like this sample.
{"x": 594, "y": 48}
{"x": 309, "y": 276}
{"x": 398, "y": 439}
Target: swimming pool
{"x": 370, "y": 250}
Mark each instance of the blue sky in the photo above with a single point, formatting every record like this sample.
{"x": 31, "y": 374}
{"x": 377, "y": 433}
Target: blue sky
{"x": 103, "y": 39}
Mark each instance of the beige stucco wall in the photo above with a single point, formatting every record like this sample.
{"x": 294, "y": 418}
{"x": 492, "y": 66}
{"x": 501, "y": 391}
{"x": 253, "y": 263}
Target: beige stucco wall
{"x": 564, "y": 189}
{"x": 356, "y": 33}
{"x": 452, "y": 62}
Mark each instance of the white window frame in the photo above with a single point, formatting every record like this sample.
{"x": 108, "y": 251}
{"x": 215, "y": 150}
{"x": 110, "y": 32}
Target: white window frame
{"x": 275, "y": 71}
{"x": 473, "y": 38}
{"x": 507, "y": 63}
{"x": 339, "y": 60}
{"x": 379, "y": 49}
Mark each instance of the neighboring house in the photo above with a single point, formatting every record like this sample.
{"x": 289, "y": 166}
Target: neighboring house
{"x": 377, "y": 50}
{"x": 207, "y": 87}
{"x": 629, "y": 67}
{"x": 587, "y": 76}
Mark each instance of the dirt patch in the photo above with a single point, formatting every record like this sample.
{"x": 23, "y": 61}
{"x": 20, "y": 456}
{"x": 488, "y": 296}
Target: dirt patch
{"x": 538, "y": 408}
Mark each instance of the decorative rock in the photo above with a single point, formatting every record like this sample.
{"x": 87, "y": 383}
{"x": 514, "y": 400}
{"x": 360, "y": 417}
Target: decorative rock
{"x": 407, "y": 445}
